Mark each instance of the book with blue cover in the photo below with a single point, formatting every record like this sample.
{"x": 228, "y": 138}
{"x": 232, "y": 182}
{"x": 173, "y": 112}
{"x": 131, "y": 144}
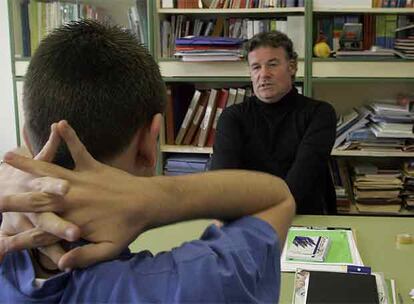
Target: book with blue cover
{"x": 308, "y": 248}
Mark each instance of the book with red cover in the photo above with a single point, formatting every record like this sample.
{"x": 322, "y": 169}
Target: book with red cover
{"x": 169, "y": 118}
{"x": 221, "y": 104}
{"x": 208, "y": 118}
{"x": 198, "y": 117}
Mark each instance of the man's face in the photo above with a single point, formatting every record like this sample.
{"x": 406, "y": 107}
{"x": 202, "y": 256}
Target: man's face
{"x": 271, "y": 73}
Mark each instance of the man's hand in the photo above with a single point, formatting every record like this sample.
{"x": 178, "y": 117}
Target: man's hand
{"x": 89, "y": 203}
{"x": 22, "y": 192}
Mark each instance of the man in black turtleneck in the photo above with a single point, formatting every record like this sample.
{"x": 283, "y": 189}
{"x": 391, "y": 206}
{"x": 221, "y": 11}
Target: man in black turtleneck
{"x": 278, "y": 130}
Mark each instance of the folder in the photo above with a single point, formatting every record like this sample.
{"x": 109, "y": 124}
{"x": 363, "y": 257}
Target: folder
{"x": 321, "y": 287}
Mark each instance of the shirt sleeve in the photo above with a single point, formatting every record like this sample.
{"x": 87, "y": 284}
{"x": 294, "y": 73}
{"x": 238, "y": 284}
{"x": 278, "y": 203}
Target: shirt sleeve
{"x": 313, "y": 153}
{"x": 228, "y": 143}
{"x": 241, "y": 261}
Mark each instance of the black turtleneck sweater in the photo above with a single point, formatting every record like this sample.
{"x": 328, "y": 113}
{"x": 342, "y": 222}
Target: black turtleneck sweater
{"x": 291, "y": 138}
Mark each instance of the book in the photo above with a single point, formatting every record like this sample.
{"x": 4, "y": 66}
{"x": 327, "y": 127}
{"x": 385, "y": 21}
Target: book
{"x": 221, "y": 104}
{"x": 296, "y": 30}
{"x": 169, "y": 117}
{"x": 334, "y": 287}
{"x": 167, "y": 4}
{"x": 198, "y": 117}
{"x": 232, "y": 97}
{"x": 208, "y": 118}
{"x": 312, "y": 248}
{"x": 240, "y": 95}
{"x": 342, "y": 249}
{"x": 188, "y": 117}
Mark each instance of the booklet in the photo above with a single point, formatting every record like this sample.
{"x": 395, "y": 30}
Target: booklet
{"x": 308, "y": 248}
{"x": 340, "y": 252}
{"x": 334, "y": 287}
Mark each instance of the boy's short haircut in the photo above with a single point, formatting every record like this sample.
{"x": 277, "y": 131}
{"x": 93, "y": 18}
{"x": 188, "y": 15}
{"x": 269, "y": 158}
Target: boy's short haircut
{"x": 97, "y": 77}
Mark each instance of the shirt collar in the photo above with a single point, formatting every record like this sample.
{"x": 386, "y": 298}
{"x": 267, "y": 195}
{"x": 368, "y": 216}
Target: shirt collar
{"x": 288, "y": 101}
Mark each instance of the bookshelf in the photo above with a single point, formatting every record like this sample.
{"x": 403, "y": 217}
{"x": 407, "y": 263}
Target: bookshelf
{"x": 207, "y": 75}
{"x": 354, "y": 82}
{"x": 345, "y": 82}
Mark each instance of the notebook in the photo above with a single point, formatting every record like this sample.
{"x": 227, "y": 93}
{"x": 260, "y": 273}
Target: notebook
{"x": 320, "y": 287}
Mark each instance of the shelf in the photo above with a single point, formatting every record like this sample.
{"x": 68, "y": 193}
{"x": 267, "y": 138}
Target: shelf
{"x": 359, "y": 80}
{"x": 211, "y": 69}
{"x": 239, "y": 11}
{"x": 355, "y": 211}
{"x": 351, "y": 153}
{"x": 176, "y": 68}
{"x": 185, "y": 149}
{"x": 361, "y": 69}
{"x": 335, "y": 152}
{"x": 377, "y": 10}
{"x": 20, "y": 66}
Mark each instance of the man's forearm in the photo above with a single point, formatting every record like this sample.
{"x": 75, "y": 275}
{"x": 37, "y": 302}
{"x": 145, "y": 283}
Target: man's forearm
{"x": 223, "y": 195}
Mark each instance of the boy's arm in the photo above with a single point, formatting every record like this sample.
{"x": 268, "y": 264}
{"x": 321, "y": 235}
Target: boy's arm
{"x": 137, "y": 204}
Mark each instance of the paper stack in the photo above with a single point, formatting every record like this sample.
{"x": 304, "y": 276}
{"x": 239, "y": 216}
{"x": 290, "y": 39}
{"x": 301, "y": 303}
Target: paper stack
{"x": 305, "y": 248}
{"x": 341, "y": 249}
{"x": 377, "y": 189}
{"x": 208, "y": 48}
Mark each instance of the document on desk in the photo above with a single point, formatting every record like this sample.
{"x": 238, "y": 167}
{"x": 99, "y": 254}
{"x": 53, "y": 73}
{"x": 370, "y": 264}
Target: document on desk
{"x": 341, "y": 253}
{"x": 333, "y": 287}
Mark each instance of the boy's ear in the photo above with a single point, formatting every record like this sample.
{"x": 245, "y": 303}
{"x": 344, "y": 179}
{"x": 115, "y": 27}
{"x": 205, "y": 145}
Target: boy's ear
{"x": 26, "y": 140}
{"x": 147, "y": 143}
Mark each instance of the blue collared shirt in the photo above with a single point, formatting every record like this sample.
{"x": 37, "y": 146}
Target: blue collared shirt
{"x": 238, "y": 263}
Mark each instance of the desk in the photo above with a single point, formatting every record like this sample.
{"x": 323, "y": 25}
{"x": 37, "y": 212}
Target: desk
{"x": 375, "y": 239}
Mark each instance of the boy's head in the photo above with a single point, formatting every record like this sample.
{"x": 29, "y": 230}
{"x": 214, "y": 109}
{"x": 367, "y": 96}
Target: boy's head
{"x": 106, "y": 85}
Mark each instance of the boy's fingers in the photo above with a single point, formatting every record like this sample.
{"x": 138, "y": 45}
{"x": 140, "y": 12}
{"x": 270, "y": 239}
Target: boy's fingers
{"x": 30, "y": 202}
{"x": 49, "y": 149}
{"x": 53, "y": 252}
{"x": 49, "y": 185}
{"x": 50, "y": 222}
{"x": 87, "y": 255}
{"x": 32, "y": 238}
{"x": 36, "y": 167}
{"x": 79, "y": 153}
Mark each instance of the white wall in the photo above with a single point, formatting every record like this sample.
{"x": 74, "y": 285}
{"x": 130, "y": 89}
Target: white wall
{"x": 8, "y": 138}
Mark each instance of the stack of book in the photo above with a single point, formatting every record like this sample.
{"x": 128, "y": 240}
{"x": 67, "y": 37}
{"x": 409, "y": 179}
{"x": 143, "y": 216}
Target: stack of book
{"x": 404, "y": 43}
{"x": 408, "y": 193}
{"x": 208, "y": 48}
{"x": 198, "y": 126}
{"x": 255, "y": 4}
{"x": 380, "y": 127}
{"x": 34, "y": 19}
{"x": 182, "y": 26}
{"x": 377, "y": 189}
{"x": 181, "y": 164}
{"x": 340, "y": 177}
{"x": 337, "y": 249}
{"x": 350, "y": 122}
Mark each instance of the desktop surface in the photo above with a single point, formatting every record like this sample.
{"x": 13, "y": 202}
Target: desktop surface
{"x": 376, "y": 241}
{"x": 375, "y": 236}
